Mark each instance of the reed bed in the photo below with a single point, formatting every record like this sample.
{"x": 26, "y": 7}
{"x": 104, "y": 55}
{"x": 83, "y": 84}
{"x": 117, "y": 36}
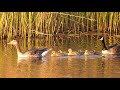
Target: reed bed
{"x": 35, "y": 24}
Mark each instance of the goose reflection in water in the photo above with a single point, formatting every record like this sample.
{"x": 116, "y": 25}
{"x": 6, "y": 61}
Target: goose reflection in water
{"x": 32, "y": 59}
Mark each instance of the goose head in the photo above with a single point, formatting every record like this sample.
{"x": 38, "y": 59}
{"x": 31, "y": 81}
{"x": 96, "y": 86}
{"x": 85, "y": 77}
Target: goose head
{"x": 60, "y": 51}
{"x": 69, "y": 50}
{"x": 101, "y": 38}
{"x": 86, "y": 52}
{"x": 53, "y": 52}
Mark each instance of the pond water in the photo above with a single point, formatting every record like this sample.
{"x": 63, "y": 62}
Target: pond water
{"x": 59, "y": 67}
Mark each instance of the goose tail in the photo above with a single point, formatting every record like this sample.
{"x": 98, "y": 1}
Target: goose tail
{"x": 45, "y": 52}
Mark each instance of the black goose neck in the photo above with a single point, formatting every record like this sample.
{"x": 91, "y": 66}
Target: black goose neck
{"x": 104, "y": 46}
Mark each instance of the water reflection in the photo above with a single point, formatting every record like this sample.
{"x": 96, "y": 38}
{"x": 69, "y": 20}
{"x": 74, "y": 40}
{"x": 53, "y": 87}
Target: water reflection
{"x": 29, "y": 67}
{"x": 32, "y": 59}
{"x": 111, "y": 67}
{"x": 114, "y": 56}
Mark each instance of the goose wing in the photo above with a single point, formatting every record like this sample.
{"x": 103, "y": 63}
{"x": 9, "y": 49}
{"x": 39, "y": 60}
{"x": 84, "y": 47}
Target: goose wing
{"x": 35, "y": 51}
{"x": 114, "y": 45}
{"x": 40, "y": 51}
{"x": 115, "y": 49}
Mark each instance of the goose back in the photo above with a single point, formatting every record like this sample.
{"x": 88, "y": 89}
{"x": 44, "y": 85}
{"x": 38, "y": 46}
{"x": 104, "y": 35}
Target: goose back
{"x": 115, "y": 49}
{"x": 35, "y": 51}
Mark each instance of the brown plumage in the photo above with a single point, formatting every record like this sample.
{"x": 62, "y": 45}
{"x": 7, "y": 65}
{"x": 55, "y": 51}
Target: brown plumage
{"x": 71, "y": 52}
{"x": 30, "y": 53}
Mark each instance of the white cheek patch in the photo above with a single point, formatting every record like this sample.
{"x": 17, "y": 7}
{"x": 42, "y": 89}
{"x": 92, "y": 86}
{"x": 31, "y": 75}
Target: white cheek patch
{"x": 101, "y": 38}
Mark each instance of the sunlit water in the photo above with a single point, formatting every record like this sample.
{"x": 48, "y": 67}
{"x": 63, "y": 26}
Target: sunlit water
{"x": 58, "y": 67}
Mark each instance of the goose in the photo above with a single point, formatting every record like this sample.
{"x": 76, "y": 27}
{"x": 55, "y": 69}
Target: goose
{"x": 80, "y": 52}
{"x": 63, "y": 52}
{"x": 96, "y": 53}
{"x": 70, "y": 52}
{"x": 56, "y": 54}
{"x": 87, "y": 52}
{"x": 91, "y": 53}
{"x": 113, "y": 49}
{"x": 37, "y": 52}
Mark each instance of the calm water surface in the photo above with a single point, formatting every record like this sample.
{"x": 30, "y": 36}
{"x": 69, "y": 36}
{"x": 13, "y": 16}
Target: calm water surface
{"x": 58, "y": 67}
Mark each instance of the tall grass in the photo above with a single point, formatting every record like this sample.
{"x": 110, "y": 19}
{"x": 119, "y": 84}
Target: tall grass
{"x": 33, "y": 24}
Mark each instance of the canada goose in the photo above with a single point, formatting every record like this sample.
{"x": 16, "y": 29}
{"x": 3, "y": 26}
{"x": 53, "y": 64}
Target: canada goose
{"x": 30, "y": 53}
{"x": 56, "y": 54}
{"x": 113, "y": 49}
{"x": 70, "y": 52}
